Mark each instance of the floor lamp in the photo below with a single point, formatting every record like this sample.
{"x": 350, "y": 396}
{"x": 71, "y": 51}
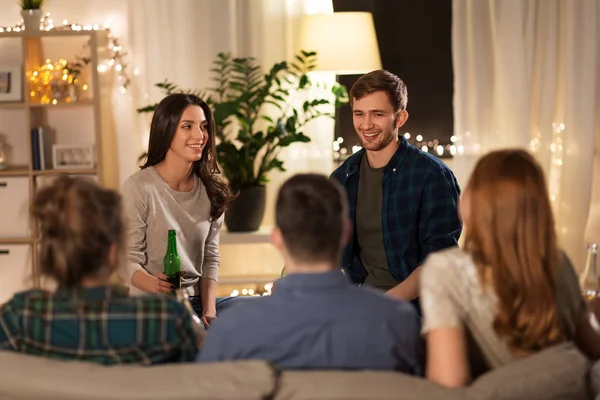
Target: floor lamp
{"x": 346, "y": 44}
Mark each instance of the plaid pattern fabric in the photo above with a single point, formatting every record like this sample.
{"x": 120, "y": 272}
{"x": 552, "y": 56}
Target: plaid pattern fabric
{"x": 420, "y": 197}
{"x": 102, "y": 325}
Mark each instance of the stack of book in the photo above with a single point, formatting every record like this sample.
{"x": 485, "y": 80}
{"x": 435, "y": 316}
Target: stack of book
{"x": 41, "y": 148}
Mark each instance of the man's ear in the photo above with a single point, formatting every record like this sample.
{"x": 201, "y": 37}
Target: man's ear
{"x": 401, "y": 118}
{"x": 277, "y": 238}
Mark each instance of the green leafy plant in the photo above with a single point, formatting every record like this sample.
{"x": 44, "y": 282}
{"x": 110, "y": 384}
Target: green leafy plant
{"x": 254, "y": 112}
{"x": 31, "y": 4}
{"x": 76, "y": 67}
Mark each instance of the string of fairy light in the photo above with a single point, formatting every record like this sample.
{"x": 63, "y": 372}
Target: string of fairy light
{"x": 430, "y": 146}
{"x": 117, "y": 54}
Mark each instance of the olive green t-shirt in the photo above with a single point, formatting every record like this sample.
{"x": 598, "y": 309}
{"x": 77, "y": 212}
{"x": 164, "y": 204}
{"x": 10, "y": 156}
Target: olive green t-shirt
{"x": 369, "y": 206}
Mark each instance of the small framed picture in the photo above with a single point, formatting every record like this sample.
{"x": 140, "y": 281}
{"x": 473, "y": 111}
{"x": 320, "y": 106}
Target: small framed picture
{"x": 73, "y": 156}
{"x": 11, "y": 83}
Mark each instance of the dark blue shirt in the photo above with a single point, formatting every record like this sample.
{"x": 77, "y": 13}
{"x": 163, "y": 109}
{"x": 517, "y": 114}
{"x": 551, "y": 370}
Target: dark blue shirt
{"x": 319, "y": 321}
{"x": 419, "y": 212}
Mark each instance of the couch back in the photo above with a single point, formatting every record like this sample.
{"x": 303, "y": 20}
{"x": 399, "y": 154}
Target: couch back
{"x": 25, "y": 377}
{"x": 555, "y": 374}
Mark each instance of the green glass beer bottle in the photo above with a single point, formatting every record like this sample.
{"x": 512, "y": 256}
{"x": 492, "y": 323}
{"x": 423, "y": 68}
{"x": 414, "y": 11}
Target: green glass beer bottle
{"x": 283, "y": 271}
{"x": 171, "y": 262}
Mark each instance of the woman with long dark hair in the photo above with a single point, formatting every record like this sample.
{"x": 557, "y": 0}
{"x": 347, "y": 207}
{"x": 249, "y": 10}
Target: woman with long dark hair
{"x": 510, "y": 292}
{"x": 178, "y": 188}
{"x": 87, "y": 318}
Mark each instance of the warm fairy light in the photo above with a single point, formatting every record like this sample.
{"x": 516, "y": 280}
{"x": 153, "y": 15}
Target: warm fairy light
{"x": 255, "y": 291}
{"x": 51, "y": 82}
{"x": 430, "y": 146}
{"x": 117, "y": 56}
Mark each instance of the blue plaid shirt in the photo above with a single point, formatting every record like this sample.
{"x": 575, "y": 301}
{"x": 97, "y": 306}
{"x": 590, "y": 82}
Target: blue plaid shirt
{"x": 420, "y": 196}
{"x": 101, "y": 324}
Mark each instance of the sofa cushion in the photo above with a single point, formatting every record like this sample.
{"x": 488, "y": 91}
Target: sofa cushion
{"x": 24, "y": 377}
{"x": 595, "y": 379}
{"x": 560, "y": 372}
{"x": 329, "y": 385}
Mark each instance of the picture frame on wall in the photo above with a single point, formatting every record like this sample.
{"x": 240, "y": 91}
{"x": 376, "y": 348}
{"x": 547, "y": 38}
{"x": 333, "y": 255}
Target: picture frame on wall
{"x": 11, "y": 83}
{"x": 71, "y": 156}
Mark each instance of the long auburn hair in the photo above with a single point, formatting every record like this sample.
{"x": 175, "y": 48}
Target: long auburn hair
{"x": 162, "y": 129}
{"x": 512, "y": 240}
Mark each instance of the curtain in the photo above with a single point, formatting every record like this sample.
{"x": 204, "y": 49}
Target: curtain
{"x": 526, "y": 74}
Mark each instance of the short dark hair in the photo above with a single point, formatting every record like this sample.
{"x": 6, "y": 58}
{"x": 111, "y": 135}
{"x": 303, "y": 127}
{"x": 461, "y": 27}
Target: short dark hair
{"x": 310, "y": 212}
{"x": 79, "y": 222}
{"x": 381, "y": 81}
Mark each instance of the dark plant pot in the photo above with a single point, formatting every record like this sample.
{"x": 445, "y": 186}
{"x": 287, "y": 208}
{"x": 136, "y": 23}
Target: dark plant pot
{"x": 245, "y": 213}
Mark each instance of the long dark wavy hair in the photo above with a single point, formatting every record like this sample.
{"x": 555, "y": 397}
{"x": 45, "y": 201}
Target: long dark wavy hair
{"x": 164, "y": 125}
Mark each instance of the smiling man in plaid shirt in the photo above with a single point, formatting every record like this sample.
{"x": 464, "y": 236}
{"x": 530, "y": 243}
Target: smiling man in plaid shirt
{"x": 402, "y": 201}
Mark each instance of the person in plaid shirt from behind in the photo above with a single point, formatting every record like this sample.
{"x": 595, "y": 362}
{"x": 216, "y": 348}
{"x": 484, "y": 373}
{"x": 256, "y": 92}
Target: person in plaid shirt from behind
{"x": 86, "y": 318}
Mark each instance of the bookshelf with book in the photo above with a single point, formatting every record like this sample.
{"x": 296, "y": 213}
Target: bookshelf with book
{"x": 48, "y": 128}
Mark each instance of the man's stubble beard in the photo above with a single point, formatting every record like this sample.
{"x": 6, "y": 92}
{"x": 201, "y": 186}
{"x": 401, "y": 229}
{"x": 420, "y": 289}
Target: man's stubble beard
{"x": 382, "y": 144}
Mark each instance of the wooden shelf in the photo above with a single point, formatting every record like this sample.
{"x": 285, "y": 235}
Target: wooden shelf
{"x": 80, "y": 103}
{"x": 11, "y": 34}
{"x": 17, "y": 170}
{"x": 12, "y": 105}
{"x": 67, "y": 171}
{"x": 263, "y": 235}
{"x": 26, "y": 240}
{"x": 248, "y": 279}
{"x": 52, "y": 33}
{"x": 94, "y": 109}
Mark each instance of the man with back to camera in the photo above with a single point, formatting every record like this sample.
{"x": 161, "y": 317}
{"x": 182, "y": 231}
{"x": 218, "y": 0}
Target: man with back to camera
{"x": 316, "y": 318}
{"x": 403, "y": 201}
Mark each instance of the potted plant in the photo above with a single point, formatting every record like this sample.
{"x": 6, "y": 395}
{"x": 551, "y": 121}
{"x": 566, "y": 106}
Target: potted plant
{"x": 255, "y": 118}
{"x": 31, "y": 11}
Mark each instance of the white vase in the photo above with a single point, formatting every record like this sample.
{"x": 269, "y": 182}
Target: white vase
{"x": 32, "y": 19}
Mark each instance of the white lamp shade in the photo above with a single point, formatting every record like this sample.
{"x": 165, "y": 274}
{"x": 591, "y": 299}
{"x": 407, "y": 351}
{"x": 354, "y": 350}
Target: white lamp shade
{"x": 345, "y": 42}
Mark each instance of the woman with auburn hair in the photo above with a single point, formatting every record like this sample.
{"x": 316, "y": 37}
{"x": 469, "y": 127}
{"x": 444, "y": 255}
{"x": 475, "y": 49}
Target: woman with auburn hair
{"x": 510, "y": 292}
{"x": 87, "y": 318}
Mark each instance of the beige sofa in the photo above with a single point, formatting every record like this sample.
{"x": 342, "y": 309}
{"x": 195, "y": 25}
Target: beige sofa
{"x": 557, "y": 373}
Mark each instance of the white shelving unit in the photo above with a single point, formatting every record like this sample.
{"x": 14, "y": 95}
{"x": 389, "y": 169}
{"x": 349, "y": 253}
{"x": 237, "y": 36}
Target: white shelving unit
{"x": 87, "y": 121}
